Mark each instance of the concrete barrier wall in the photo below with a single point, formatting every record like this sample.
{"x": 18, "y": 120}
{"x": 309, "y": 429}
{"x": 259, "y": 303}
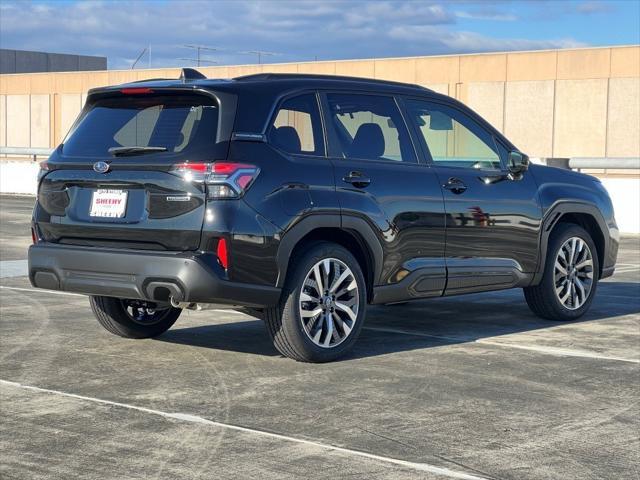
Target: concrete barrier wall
{"x": 558, "y": 103}
{"x": 19, "y": 176}
{"x": 625, "y": 195}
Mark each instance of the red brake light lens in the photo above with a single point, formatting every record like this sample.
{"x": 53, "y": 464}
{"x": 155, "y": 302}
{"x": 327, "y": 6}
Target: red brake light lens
{"x": 44, "y": 166}
{"x": 223, "y": 179}
{"x": 222, "y": 253}
{"x": 34, "y": 237}
{"x": 136, "y": 91}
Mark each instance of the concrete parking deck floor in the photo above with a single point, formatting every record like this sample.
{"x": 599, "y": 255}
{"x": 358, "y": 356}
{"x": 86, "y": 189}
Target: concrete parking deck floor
{"x": 465, "y": 387}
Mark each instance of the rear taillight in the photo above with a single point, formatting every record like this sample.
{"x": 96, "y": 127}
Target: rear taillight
{"x": 44, "y": 166}
{"x": 34, "y": 236}
{"x": 223, "y": 179}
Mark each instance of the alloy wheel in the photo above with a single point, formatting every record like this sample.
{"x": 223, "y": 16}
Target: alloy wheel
{"x": 573, "y": 273}
{"x": 329, "y": 302}
{"x": 144, "y": 313}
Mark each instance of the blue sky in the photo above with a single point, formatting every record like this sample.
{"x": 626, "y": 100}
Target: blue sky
{"x": 306, "y": 30}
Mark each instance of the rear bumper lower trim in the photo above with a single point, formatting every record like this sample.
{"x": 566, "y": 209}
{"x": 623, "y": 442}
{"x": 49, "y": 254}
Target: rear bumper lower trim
{"x": 140, "y": 274}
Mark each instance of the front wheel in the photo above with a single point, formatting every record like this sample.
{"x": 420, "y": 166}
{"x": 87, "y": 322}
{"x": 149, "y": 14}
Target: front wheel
{"x": 133, "y": 318}
{"x": 322, "y": 307}
{"x": 570, "y": 276}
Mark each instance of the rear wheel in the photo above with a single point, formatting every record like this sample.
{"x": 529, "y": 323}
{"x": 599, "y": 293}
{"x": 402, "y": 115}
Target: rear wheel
{"x": 570, "y": 277}
{"x": 322, "y": 307}
{"x": 133, "y": 318}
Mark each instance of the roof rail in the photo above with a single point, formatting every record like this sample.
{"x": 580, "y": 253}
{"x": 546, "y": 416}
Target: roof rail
{"x": 293, "y": 76}
{"x": 188, "y": 74}
{"x": 150, "y": 80}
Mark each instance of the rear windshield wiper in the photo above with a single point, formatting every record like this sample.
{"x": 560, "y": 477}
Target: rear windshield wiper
{"x": 125, "y": 151}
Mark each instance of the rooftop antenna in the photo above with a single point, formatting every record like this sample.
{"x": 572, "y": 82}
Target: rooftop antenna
{"x": 144, "y": 50}
{"x": 198, "y": 49}
{"x": 198, "y": 60}
{"x": 260, "y": 54}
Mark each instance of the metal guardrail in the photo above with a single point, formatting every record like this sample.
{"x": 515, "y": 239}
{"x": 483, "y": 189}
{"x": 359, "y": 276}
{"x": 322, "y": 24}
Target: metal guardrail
{"x": 610, "y": 162}
{"x": 574, "y": 163}
{"x": 26, "y": 151}
{"x": 596, "y": 163}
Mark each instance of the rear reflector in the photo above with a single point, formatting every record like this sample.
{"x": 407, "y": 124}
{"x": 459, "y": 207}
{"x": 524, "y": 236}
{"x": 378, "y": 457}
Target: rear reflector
{"x": 136, "y": 91}
{"x": 223, "y": 179}
{"x": 222, "y": 253}
{"x": 34, "y": 237}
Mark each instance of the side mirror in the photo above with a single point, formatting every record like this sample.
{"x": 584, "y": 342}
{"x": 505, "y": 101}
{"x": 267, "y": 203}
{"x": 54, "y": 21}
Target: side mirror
{"x": 518, "y": 162}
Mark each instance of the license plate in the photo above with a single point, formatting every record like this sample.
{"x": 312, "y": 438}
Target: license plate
{"x": 108, "y": 203}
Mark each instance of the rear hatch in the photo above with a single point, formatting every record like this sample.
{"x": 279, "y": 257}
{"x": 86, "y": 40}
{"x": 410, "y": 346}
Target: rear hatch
{"x": 113, "y": 181}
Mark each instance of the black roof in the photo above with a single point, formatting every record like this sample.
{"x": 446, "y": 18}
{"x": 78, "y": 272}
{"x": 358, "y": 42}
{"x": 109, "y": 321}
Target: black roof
{"x": 274, "y": 82}
{"x": 322, "y": 78}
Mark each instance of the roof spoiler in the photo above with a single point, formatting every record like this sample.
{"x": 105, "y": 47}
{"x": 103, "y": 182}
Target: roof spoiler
{"x": 189, "y": 74}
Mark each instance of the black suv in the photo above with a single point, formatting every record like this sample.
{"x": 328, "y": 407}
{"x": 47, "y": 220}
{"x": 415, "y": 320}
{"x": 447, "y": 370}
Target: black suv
{"x": 303, "y": 198}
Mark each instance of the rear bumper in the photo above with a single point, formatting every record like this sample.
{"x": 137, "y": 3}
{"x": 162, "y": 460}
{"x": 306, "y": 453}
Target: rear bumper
{"x": 142, "y": 275}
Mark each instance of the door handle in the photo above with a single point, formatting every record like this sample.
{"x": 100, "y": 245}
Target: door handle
{"x": 357, "y": 179}
{"x": 455, "y": 185}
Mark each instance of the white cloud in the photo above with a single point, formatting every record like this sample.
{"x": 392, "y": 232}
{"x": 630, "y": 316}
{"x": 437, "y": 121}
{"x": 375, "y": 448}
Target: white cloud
{"x": 592, "y": 7}
{"x": 493, "y": 16}
{"x": 466, "y": 42}
{"x": 298, "y": 31}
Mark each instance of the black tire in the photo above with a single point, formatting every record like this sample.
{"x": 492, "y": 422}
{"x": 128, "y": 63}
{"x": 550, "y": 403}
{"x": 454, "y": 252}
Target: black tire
{"x": 284, "y": 322}
{"x": 542, "y": 298}
{"x": 113, "y": 315}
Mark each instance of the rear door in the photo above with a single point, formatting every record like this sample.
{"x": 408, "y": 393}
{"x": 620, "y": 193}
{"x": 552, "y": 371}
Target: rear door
{"x": 379, "y": 179}
{"x": 115, "y": 181}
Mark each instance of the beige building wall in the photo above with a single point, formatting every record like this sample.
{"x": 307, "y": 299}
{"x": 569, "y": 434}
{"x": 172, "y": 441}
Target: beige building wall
{"x": 623, "y": 118}
{"x": 529, "y": 115}
{"x": 40, "y": 118}
{"x": 580, "y": 118}
{"x": 487, "y": 98}
{"x": 70, "y": 106}
{"x": 3, "y": 120}
{"x": 18, "y": 121}
{"x": 574, "y": 102}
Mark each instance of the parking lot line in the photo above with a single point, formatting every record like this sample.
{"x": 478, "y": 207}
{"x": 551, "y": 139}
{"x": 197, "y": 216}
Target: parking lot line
{"x": 561, "y": 352}
{"x": 424, "y": 467}
{"x": 40, "y": 290}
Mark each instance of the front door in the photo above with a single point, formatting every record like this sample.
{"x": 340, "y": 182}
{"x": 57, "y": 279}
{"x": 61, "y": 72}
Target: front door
{"x": 379, "y": 180}
{"x": 493, "y": 218}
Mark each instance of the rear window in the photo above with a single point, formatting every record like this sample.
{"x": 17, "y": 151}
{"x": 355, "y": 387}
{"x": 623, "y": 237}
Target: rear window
{"x": 179, "y": 123}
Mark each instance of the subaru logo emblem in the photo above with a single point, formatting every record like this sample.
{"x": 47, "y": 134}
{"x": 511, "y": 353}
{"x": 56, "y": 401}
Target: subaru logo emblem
{"x": 101, "y": 167}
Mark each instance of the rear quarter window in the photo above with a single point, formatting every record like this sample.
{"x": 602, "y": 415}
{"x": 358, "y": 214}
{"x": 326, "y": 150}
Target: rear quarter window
{"x": 179, "y": 123}
{"x": 297, "y": 128}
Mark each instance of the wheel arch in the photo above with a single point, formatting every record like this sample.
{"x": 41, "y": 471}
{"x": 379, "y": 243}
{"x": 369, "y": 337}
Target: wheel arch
{"x": 583, "y": 214}
{"x": 354, "y": 234}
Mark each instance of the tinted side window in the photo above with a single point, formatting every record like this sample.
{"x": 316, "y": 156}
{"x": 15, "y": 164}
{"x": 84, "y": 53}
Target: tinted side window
{"x": 296, "y": 128}
{"x": 453, "y": 138}
{"x": 369, "y": 127}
